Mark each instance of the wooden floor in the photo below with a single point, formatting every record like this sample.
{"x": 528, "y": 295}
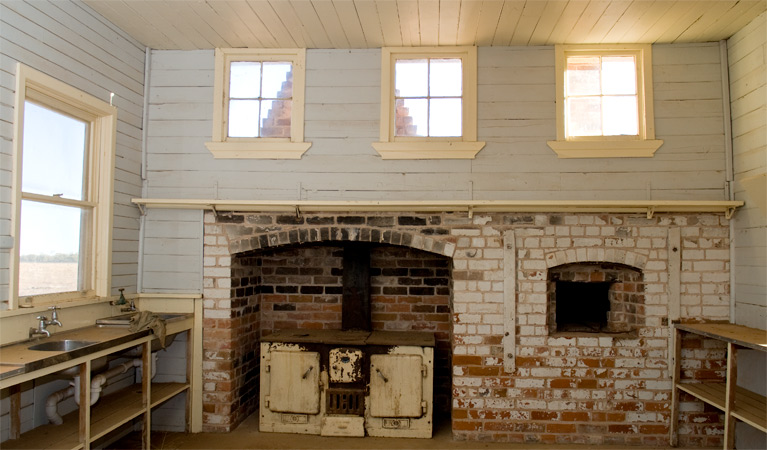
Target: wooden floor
{"x": 248, "y": 436}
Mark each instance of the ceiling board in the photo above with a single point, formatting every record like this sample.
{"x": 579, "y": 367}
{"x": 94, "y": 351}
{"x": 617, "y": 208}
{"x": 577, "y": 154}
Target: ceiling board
{"x": 206, "y": 24}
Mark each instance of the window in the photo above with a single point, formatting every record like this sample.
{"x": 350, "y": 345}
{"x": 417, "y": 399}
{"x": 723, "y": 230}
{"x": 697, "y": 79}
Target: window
{"x": 428, "y": 103}
{"x": 258, "y": 107}
{"x": 64, "y": 143}
{"x": 604, "y": 102}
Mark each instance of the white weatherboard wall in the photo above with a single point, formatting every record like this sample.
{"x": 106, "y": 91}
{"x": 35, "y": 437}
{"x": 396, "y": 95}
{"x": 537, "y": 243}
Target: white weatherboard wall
{"x": 516, "y": 118}
{"x": 69, "y": 41}
{"x": 748, "y": 91}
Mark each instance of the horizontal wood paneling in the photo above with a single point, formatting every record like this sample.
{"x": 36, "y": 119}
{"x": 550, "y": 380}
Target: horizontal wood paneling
{"x": 73, "y": 43}
{"x": 748, "y": 83}
{"x": 516, "y": 117}
{"x": 172, "y": 258}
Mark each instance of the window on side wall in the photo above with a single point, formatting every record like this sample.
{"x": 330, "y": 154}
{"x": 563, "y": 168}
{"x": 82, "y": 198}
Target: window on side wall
{"x": 258, "y": 107}
{"x": 428, "y": 103}
{"x": 604, "y": 102}
{"x": 64, "y": 143}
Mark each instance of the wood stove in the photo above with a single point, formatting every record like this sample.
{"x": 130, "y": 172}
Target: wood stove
{"x": 347, "y": 383}
{"x": 352, "y": 381}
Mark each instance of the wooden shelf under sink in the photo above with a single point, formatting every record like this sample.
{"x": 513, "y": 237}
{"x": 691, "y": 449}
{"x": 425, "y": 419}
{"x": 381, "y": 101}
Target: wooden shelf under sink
{"x": 111, "y": 412}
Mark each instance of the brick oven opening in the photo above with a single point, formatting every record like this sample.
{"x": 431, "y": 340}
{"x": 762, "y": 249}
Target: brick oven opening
{"x": 595, "y": 297}
{"x": 582, "y": 306}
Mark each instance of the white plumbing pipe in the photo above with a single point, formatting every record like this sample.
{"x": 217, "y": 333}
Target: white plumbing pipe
{"x": 97, "y": 384}
{"x": 52, "y": 404}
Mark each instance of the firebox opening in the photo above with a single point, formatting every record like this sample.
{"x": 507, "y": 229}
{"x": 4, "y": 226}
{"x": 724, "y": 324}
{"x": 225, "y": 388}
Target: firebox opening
{"x": 595, "y": 297}
{"x": 582, "y": 306}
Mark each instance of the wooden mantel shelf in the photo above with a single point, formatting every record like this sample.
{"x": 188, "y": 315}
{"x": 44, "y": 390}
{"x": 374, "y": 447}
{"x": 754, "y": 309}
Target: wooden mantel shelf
{"x": 649, "y": 207}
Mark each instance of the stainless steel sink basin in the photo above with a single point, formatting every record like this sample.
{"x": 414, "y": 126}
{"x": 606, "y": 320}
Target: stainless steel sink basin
{"x": 60, "y": 346}
{"x": 123, "y": 320}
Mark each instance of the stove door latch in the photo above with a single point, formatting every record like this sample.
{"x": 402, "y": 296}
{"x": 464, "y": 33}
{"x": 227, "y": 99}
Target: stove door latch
{"x": 424, "y": 370}
{"x": 424, "y": 407}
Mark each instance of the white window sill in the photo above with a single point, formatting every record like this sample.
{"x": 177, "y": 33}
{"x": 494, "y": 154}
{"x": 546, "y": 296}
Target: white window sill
{"x": 605, "y": 149}
{"x": 428, "y": 150}
{"x": 258, "y": 150}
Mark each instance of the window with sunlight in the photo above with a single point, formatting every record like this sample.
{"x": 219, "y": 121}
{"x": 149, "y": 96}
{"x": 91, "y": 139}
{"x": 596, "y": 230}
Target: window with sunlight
{"x": 604, "y": 101}
{"x": 54, "y": 207}
{"x": 601, "y": 96}
{"x": 258, "y": 109}
{"x": 428, "y": 103}
{"x": 428, "y": 97}
{"x": 64, "y": 144}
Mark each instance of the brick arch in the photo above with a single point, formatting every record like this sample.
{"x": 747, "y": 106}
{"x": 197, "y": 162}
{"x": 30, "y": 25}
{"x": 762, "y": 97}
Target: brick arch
{"x": 583, "y": 255}
{"x": 274, "y": 239}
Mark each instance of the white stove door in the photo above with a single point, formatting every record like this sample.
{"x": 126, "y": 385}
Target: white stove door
{"x": 294, "y": 382}
{"x": 396, "y": 386}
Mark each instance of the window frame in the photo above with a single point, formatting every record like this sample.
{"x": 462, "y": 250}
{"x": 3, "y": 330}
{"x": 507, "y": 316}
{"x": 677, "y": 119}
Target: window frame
{"x": 644, "y": 144}
{"x": 222, "y": 146}
{"x": 36, "y": 87}
{"x": 465, "y": 146}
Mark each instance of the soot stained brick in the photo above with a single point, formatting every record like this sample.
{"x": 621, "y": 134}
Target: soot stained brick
{"x": 284, "y": 307}
{"x": 411, "y": 221}
{"x": 287, "y": 289}
{"x": 230, "y": 218}
{"x": 381, "y": 221}
{"x": 290, "y": 220}
{"x": 319, "y": 220}
{"x": 351, "y": 220}
{"x": 312, "y": 290}
{"x": 421, "y": 291}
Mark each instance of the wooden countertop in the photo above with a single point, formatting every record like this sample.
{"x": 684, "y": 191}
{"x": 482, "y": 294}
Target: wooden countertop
{"x": 16, "y": 356}
{"x": 753, "y": 338}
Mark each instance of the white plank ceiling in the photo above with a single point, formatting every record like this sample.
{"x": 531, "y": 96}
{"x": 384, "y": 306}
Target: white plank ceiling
{"x": 204, "y": 24}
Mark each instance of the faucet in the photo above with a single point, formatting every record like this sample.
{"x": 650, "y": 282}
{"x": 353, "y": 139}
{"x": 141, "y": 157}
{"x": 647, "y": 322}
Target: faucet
{"x": 130, "y": 308}
{"x": 43, "y": 323}
{"x": 122, "y": 301}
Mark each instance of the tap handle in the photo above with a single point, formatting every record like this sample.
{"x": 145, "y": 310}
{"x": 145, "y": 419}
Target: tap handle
{"x": 55, "y": 315}
{"x": 42, "y": 319}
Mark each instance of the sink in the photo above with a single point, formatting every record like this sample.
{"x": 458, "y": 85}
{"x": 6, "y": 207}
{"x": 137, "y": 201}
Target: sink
{"x": 123, "y": 320}
{"x": 60, "y": 346}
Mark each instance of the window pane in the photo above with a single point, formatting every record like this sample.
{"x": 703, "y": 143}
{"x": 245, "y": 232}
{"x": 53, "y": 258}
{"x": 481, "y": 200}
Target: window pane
{"x": 244, "y": 79}
{"x": 411, "y": 78}
{"x": 243, "y": 118}
{"x": 275, "y": 118}
{"x": 618, "y": 75}
{"x": 410, "y": 117}
{"x": 445, "y": 78}
{"x": 620, "y": 116}
{"x": 50, "y": 255}
{"x": 445, "y": 117}
{"x": 584, "y": 116}
{"x": 54, "y": 153}
{"x": 278, "y": 80}
{"x": 582, "y": 75}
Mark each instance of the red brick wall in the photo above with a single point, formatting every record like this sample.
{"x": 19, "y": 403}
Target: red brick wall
{"x": 567, "y": 389}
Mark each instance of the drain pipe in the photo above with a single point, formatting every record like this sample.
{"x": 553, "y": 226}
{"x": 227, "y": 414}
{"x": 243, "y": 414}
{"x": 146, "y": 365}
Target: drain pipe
{"x": 144, "y": 129}
{"x": 729, "y": 162}
{"x": 97, "y": 384}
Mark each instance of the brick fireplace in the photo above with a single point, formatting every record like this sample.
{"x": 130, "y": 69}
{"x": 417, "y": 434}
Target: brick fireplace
{"x": 446, "y": 273}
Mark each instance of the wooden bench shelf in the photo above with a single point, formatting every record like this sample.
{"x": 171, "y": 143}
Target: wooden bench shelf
{"x": 89, "y": 423}
{"x": 736, "y": 402}
{"x": 111, "y": 412}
